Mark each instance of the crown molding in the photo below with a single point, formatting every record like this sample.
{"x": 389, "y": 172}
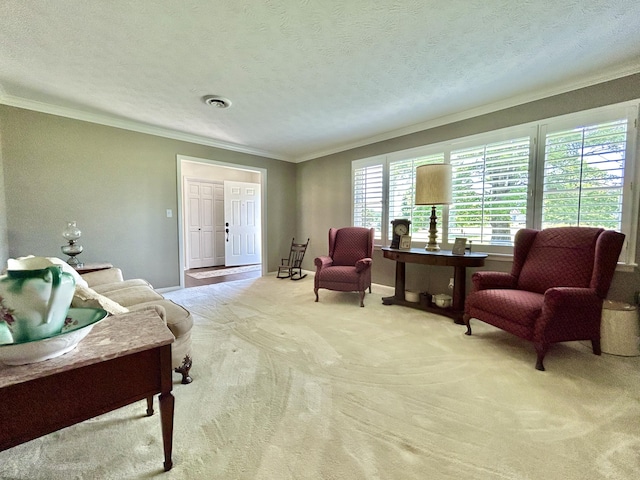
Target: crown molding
{"x": 482, "y": 110}
{"x": 131, "y": 125}
{"x": 139, "y": 127}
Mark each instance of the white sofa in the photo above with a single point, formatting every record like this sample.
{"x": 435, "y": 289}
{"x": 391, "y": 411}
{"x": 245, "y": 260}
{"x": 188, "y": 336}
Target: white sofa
{"x": 108, "y": 290}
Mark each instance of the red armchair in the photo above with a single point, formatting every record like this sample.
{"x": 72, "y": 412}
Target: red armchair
{"x": 347, "y": 268}
{"x": 554, "y": 293}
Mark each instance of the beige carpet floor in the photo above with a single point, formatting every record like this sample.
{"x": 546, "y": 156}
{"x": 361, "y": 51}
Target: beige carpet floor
{"x": 285, "y": 388}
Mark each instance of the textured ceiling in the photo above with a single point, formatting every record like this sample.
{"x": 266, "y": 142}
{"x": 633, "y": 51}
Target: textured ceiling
{"x": 305, "y": 77}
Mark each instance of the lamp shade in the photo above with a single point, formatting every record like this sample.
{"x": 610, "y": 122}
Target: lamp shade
{"x": 433, "y": 184}
{"x": 71, "y": 231}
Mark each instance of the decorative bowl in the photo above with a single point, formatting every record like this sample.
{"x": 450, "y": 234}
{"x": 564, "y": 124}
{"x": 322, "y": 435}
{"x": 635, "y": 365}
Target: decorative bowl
{"x": 442, "y": 300}
{"x": 79, "y": 323}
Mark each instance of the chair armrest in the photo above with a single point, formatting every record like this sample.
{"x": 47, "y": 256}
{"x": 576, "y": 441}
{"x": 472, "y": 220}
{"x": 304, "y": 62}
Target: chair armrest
{"x": 569, "y": 306}
{"x": 363, "y": 264}
{"x": 485, "y": 280}
{"x": 571, "y": 298}
{"x": 322, "y": 262}
{"x": 109, "y": 275}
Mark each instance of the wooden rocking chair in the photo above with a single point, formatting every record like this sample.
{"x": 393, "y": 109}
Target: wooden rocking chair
{"x": 292, "y": 267}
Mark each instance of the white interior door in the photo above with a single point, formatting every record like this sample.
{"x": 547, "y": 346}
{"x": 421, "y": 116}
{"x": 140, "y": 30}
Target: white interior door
{"x": 219, "y": 234}
{"x": 242, "y": 214}
{"x": 201, "y": 221}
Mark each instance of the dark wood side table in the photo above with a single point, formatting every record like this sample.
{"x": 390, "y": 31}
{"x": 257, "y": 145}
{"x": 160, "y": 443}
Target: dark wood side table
{"x": 443, "y": 258}
{"x": 124, "y": 359}
{"x": 93, "y": 267}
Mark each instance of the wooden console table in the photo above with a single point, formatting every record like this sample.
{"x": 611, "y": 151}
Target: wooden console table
{"x": 443, "y": 258}
{"x": 124, "y": 359}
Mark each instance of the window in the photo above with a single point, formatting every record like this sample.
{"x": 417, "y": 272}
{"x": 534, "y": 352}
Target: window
{"x": 402, "y": 184}
{"x": 368, "y": 197}
{"x": 490, "y": 189}
{"x": 583, "y": 176}
{"x": 572, "y": 170}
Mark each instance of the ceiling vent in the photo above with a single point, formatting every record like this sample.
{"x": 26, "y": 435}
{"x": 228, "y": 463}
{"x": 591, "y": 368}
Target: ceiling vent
{"x": 216, "y": 101}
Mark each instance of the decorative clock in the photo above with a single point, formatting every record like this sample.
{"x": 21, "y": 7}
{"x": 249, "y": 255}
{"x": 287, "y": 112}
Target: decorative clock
{"x": 400, "y": 227}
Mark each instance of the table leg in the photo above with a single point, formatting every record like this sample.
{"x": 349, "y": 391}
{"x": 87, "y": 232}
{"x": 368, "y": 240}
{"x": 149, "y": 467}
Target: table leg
{"x": 400, "y": 282}
{"x": 459, "y": 292}
{"x": 167, "y": 401}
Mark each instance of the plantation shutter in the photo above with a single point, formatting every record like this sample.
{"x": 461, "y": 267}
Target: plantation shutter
{"x": 490, "y": 185}
{"x": 584, "y": 176}
{"x": 402, "y": 184}
{"x": 368, "y": 197}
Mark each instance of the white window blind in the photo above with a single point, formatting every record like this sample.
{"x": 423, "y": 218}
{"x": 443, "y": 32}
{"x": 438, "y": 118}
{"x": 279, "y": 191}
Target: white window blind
{"x": 582, "y": 172}
{"x": 368, "y": 197}
{"x": 490, "y": 185}
{"x": 402, "y": 184}
{"x": 584, "y": 176}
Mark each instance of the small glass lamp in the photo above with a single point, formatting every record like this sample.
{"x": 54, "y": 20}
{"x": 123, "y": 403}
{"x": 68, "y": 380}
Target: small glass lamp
{"x": 72, "y": 233}
{"x": 433, "y": 187}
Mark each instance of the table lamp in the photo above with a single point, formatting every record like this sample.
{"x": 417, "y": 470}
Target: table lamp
{"x": 433, "y": 187}
{"x": 72, "y": 234}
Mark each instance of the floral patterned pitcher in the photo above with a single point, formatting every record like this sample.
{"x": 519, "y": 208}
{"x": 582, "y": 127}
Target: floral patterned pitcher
{"x": 35, "y": 296}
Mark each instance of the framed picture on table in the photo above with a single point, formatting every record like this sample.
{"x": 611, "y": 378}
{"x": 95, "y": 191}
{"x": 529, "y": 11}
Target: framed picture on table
{"x": 458, "y": 246}
{"x": 405, "y": 242}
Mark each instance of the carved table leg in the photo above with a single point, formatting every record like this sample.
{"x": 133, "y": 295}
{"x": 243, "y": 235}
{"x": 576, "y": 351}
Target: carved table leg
{"x": 184, "y": 370}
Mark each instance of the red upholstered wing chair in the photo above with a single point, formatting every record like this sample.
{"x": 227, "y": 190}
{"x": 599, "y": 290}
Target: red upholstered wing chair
{"x": 554, "y": 293}
{"x": 347, "y": 268}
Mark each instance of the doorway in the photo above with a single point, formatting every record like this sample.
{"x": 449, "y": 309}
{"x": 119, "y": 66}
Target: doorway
{"x": 202, "y": 228}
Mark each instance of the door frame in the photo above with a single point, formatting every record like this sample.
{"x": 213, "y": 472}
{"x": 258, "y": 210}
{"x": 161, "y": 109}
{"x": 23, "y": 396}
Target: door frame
{"x": 180, "y": 215}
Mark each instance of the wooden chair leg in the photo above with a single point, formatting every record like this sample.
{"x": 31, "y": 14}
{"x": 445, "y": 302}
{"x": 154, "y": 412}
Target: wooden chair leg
{"x": 362, "y": 293}
{"x": 541, "y": 350}
{"x": 595, "y": 345}
{"x": 467, "y": 322}
{"x": 149, "y": 406}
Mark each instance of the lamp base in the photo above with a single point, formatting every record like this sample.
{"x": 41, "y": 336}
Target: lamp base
{"x": 72, "y": 250}
{"x": 432, "y": 245}
{"x": 75, "y": 263}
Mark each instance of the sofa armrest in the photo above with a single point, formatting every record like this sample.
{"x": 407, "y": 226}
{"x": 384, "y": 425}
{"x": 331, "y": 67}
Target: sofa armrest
{"x": 159, "y": 309}
{"x": 109, "y": 275}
